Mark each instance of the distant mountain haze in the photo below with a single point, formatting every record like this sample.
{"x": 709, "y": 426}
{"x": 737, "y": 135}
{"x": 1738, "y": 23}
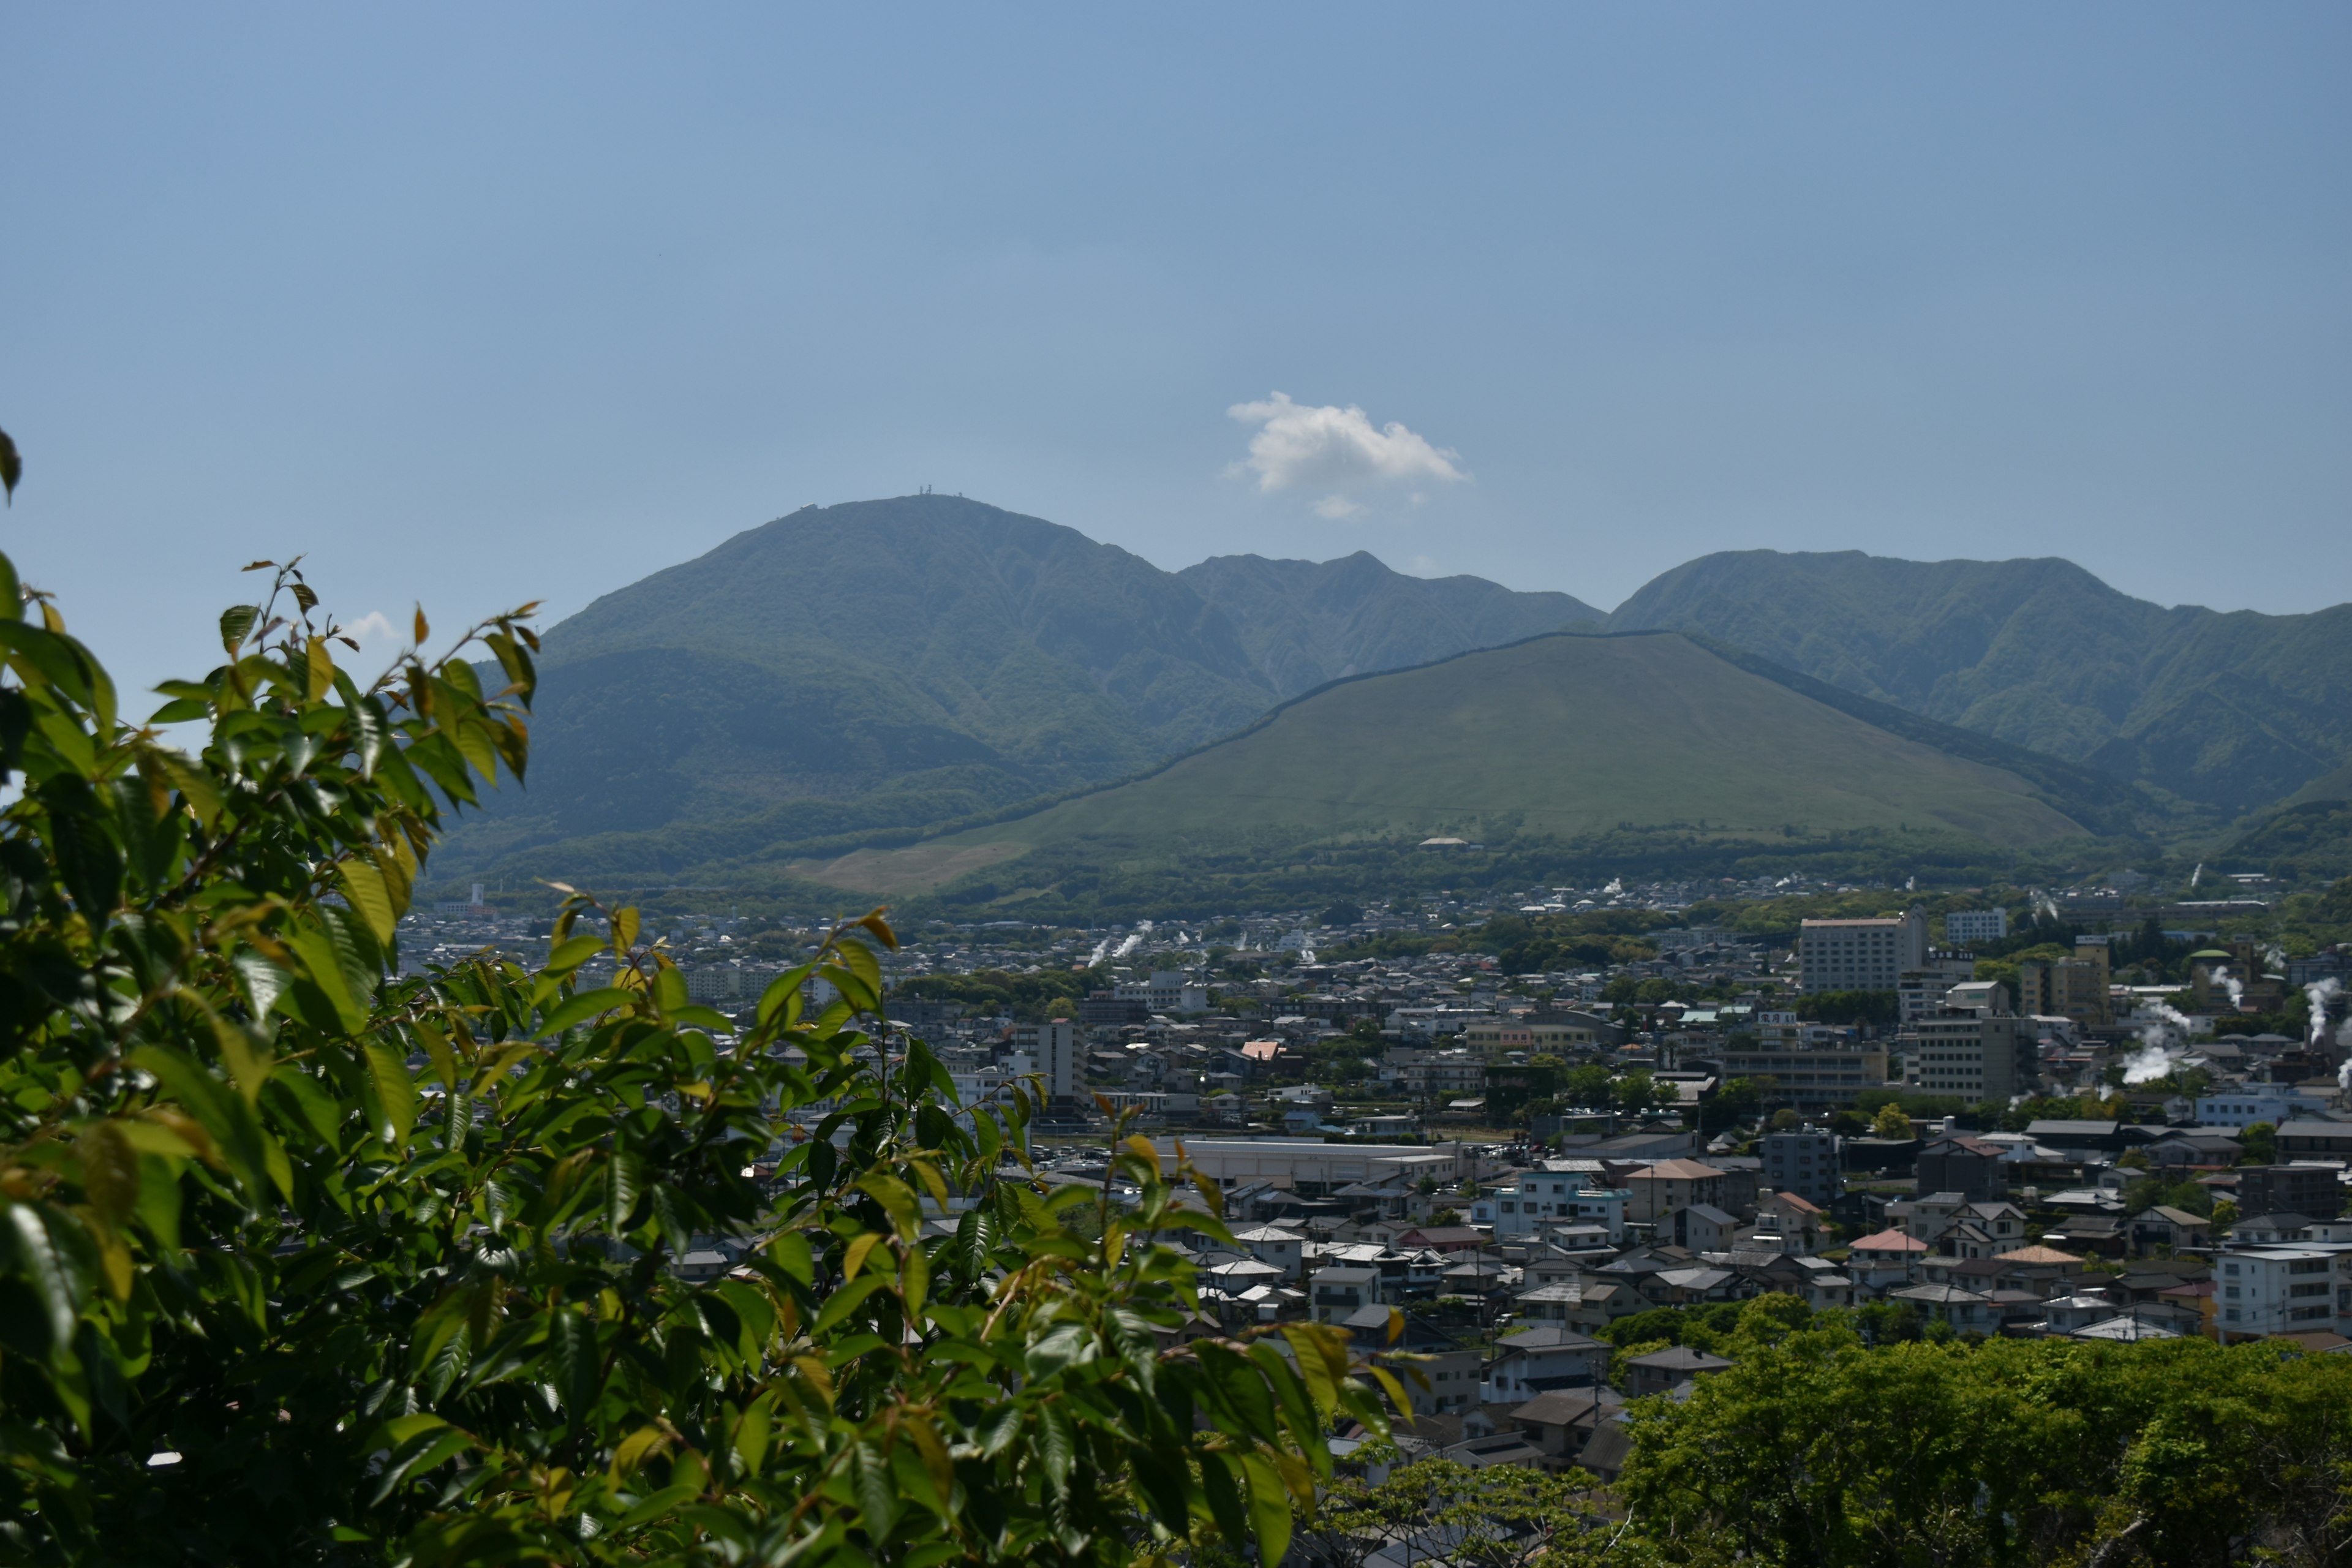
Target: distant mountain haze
{"x": 2233, "y": 710}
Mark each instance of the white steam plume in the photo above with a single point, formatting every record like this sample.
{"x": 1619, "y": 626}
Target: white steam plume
{"x": 2161, "y": 1039}
{"x": 2194, "y": 876}
{"x": 2229, "y": 983}
{"x": 2321, "y": 993}
{"x": 1096, "y": 955}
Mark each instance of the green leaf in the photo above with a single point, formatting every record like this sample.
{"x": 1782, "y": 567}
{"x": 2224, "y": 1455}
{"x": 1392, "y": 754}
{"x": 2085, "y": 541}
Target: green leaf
{"x": 234, "y": 623}
{"x": 844, "y": 1301}
{"x": 623, "y": 1177}
{"x": 586, "y": 1005}
{"x": 571, "y": 1347}
{"x": 1055, "y": 1446}
{"x": 1269, "y": 1506}
{"x": 396, "y": 1092}
{"x": 46, "y": 1277}
{"x": 364, "y": 889}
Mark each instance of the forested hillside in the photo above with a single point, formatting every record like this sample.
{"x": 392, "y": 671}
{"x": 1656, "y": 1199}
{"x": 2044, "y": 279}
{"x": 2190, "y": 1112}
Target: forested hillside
{"x": 2233, "y": 709}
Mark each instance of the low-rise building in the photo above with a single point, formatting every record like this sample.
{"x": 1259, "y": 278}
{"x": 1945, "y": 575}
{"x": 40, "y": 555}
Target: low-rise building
{"x": 1540, "y": 1359}
{"x": 1662, "y": 1370}
{"x": 1658, "y": 1190}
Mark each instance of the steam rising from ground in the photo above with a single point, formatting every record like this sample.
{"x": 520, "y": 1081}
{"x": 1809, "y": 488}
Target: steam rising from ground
{"x": 2163, "y": 1040}
{"x": 2321, "y": 993}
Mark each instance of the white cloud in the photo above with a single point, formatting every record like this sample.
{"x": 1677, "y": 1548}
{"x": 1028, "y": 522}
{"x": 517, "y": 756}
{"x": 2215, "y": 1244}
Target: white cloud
{"x": 1338, "y": 507}
{"x": 1296, "y": 443}
{"x": 379, "y": 638}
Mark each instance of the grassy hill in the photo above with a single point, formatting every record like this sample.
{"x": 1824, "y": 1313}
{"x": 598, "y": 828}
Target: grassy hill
{"x": 1559, "y": 736}
{"x": 2233, "y": 709}
{"x": 891, "y": 663}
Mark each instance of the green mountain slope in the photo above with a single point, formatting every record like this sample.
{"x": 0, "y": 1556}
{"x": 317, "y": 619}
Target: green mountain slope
{"x": 1560, "y": 735}
{"x": 1304, "y": 623}
{"x": 890, "y": 663}
{"x": 2233, "y": 710}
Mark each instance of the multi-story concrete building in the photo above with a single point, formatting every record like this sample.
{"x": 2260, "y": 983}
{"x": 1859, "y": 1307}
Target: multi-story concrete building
{"x": 1491, "y": 1040}
{"x": 2074, "y": 988}
{"x": 2314, "y": 1190}
{"x": 1809, "y": 1078}
{"x": 1169, "y": 991}
{"x": 1975, "y": 925}
{"x": 1803, "y": 1161}
{"x": 1864, "y": 954}
{"x": 1977, "y": 1053}
{"x": 1921, "y": 990}
{"x": 1058, "y": 1051}
{"x": 2266, "y": 1290}
{"x": 1543, "y": 1200}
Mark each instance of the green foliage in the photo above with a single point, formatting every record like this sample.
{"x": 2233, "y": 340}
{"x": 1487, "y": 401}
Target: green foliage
{"x": 1877, "y": 1008}
{"x": 305, "y": 1263}
{"x": 1890, "y": 1122}
{"x": 1504, "y": 1517}
{"x": 1029, "y": 997}
{"x": 1818, "y": 1450}
{"x": 1738, "y": 1100}
{"x": 2260, "y": 1144}
{"x": 2148, "y": 1192}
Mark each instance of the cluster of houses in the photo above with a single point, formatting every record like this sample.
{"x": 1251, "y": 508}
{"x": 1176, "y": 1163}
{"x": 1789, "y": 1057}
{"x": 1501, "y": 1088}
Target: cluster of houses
{"x": 1506, "y": 1300}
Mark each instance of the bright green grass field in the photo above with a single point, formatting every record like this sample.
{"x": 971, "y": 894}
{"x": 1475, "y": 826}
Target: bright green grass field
{"x": 1561, "y": 735}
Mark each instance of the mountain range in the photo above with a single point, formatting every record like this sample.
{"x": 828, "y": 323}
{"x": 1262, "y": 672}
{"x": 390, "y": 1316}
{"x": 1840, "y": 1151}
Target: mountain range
{"x": 880, "y": 667}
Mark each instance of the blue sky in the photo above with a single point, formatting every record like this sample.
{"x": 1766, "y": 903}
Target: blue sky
{"x": 487, "y": 304}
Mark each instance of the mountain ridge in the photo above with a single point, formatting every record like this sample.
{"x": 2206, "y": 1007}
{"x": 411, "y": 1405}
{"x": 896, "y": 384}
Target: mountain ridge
{"x": 2231, "y": 709}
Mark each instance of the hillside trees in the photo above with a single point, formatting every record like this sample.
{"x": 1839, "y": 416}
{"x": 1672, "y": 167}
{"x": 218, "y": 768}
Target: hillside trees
{"x": 302, "y": 1260}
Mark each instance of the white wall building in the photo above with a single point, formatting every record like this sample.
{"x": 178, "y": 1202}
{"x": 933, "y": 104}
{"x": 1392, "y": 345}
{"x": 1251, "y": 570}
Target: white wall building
{"x": 2284, "y": 1290}
{"x": 1962, "y": 926}
{"x": 1541, "y": 1200}
{"x": 1169, "y": 991}
{"x": 2248, "y": 1104}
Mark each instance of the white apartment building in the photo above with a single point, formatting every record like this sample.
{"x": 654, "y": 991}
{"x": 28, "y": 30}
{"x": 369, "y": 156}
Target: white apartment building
{"x": 2264, "y": 1290}
{"x": 1169, "y": 991}
{"x": 1862, "y": 955}
{"x": 1058, "y": 1050}
{"x": 1542, "y": 1200}
{"x": 1975, "y": 925}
